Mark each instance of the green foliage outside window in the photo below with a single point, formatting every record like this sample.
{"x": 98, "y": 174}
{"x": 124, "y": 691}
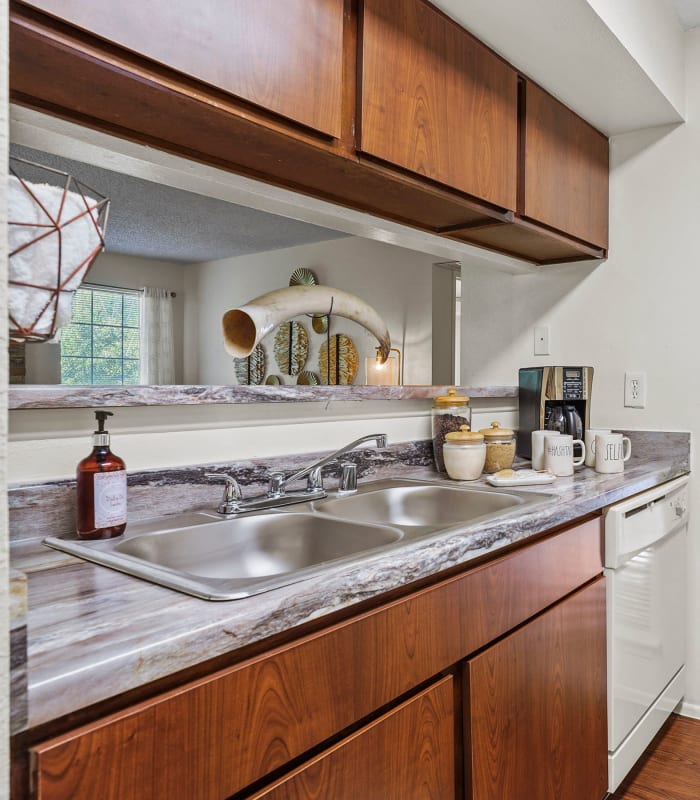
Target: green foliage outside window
{"x": 101, "y": 346}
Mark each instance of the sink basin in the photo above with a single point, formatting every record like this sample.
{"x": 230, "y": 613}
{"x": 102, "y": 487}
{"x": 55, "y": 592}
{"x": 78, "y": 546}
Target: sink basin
{"x": 416, "y": 505}
{"x": 215, "y": 558}
{"x": 234, "y": 558}
{"x": 256, "y": 547}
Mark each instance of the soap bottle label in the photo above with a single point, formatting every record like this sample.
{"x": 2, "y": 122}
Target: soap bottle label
{"x": 110, "y": 498}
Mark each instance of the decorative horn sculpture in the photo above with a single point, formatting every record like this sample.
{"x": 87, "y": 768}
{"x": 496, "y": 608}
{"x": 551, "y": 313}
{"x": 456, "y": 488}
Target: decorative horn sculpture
{"x": 244, "y": 327}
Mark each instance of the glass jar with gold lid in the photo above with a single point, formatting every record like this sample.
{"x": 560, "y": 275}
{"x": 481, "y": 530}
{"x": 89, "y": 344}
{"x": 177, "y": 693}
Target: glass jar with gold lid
{"x": 500, "y": 447}
{"x": 450, "y": 411}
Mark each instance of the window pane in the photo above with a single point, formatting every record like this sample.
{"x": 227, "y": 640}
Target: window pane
{"x": 131, "y": 310}
{"x": 75, "y": 371}
{"x": 107, "y": 371}
{"x": 132, "y": 343}
{"x": 82, "y": 306}
{"x": 107, "y": 308}
{"x": 132, "y": 371}
{"x": 76, "y": 340}
{"x": 107, "y": 342}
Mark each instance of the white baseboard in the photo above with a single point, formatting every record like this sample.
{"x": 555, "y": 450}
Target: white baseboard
{"x": 689, "y": 710}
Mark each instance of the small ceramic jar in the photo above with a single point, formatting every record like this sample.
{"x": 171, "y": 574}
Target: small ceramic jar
{"x": 464, "y": 453}
{"x": 450, "y": 411}
{"x": 500, "y": 448}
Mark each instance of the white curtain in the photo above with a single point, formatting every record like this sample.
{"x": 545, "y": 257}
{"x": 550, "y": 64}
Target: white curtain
{"x": 157, "y": 334}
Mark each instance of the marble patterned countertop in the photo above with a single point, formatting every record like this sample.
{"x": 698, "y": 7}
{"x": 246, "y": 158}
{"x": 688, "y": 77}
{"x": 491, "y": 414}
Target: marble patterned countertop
{"x": 94, "y": 633}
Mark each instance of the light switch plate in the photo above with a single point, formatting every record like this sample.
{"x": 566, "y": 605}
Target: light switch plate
{"x": 541, "y": 340}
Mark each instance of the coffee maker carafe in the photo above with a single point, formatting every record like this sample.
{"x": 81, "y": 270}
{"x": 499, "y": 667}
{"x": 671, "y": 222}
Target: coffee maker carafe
{"x": 565, "y": 419}
{"x": 553, "y": 398}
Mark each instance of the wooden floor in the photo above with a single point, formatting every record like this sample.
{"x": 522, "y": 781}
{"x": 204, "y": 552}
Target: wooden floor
{"x": 670, "y": 768}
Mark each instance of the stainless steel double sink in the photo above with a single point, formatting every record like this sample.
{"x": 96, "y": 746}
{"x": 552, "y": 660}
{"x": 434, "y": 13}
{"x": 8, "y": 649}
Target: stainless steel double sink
{"x": 215, "y": 558}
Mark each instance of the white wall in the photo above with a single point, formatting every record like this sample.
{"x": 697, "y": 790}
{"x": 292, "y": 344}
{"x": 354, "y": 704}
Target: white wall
{"x": 652, "y": 34}
{"x": 395, "y": 281}
{"x": 47, "y": 445}
{"x": 637, "y": 311}
{"x": 4, "y": 593}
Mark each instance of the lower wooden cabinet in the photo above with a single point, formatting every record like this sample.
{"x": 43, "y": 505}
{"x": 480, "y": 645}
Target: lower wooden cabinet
{"x": 407, "y": 754}
{"x": 348, "y": 703}
{"x": 536, "y": 717}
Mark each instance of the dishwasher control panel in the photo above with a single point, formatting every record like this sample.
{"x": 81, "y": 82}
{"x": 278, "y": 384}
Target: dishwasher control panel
{"x": 633, "y": 525}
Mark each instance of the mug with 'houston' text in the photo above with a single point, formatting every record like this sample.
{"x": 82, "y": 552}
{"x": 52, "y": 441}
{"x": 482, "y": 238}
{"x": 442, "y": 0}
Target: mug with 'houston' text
{"x": 559, "y": 454}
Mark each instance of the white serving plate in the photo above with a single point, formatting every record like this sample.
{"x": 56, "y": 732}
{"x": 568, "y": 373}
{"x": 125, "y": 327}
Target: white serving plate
{"x": 522, "y": 477}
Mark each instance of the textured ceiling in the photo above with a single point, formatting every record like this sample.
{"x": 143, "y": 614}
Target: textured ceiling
{"x": 688, "y": 12}
{"x": 154, "y": 221}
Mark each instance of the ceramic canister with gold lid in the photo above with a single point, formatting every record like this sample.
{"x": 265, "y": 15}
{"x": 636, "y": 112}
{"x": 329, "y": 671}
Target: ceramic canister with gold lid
{"x": 500, "y": 447}
{"x": 464, "y": 452}
{"x": 450, "y": 411}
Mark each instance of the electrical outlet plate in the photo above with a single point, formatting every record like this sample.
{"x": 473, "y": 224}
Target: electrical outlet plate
{"x": 635, "y": 389}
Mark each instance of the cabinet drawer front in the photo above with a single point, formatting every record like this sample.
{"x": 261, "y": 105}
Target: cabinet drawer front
{"x": 215, "y": 736}
{"x": 288, "y": 60}
{"x": 537, "y": 706}
{"x": 437, "y": 102}
{"x": 407, "y": 754}
{"x": 565, "y": 169}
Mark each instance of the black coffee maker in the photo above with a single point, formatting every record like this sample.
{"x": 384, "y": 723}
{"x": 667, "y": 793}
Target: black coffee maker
{"x": 553, "y": 398}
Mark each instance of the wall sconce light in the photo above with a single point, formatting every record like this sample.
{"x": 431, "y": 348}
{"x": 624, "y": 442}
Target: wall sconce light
{"x": 386, "y": 374}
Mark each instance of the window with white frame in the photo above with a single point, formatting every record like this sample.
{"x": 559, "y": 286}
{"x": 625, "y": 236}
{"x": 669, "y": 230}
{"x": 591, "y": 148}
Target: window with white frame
{"x": 101, "y": 346}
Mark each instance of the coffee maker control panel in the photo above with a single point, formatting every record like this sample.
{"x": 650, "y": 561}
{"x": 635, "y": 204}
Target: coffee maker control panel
{"x": 573, "y": 384}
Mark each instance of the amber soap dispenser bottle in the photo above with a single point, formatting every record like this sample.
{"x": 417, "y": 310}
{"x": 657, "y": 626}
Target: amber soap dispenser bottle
{"x": 101, "y": 488}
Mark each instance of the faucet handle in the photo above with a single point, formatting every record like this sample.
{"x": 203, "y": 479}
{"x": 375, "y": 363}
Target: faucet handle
{"x": 275, "y": 487}
{"x": 314, "y": 481}
{"x": 232, "y": 492}
{"x": 348, "y": 478}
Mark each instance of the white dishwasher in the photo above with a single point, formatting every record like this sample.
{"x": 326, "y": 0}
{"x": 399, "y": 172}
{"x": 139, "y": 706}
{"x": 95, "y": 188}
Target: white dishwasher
{"x": 645, "y": 567}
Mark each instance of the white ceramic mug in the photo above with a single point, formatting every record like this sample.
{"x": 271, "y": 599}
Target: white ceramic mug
{"x": 538, "y": 447}
{"x": 559, "y": 454}
{"x": 589, "y": 439}
{"x": 611, "y": 452}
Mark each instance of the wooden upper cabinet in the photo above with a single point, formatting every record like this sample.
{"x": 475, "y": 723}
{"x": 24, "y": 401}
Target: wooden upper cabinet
{"x": 435, "y": 101}
{"x": 565, "y": 169}
{"x": 285, "y": 57}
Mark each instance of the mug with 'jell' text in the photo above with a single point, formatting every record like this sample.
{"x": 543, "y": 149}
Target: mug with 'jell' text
{"x": 611, "y": 452}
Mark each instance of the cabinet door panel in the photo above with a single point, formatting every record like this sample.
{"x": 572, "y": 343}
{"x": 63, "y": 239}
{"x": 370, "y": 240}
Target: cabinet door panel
{"x": 437, "y": 102}
{"x": 408, "y": 754}
{"x": 565, "y": 169}
{"x": 537, "y": 707}
{"x": 285, "y": 57}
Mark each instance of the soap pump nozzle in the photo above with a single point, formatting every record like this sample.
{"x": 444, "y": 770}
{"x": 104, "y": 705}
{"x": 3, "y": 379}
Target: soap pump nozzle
{"x": 101, "y": 436}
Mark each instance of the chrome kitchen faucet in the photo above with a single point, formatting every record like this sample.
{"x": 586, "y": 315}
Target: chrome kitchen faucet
{"x": 277, "y": 496}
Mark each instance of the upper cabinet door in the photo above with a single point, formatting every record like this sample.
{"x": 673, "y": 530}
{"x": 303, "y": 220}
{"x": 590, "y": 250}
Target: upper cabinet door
{"x": 437, "y": 102}
{"x": 285, "y": 57}
{"x": 565, "y": 179}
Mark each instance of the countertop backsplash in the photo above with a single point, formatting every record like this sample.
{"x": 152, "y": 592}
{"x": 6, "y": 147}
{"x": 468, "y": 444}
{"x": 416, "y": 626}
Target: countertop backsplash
{"x": 48, "y": 508}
